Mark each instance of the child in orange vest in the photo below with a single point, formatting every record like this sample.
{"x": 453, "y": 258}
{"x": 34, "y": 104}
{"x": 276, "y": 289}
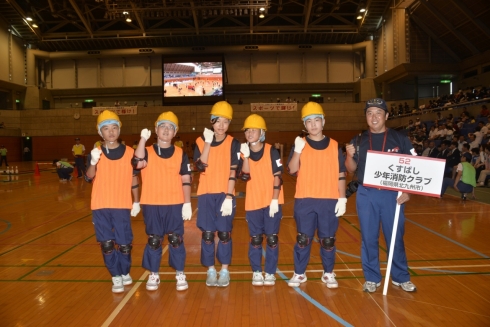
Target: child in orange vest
{"x": 165, "y": 198}
{"x": 320, "y": 194}
{"x": 114, "y": 180}
{"x": 262, "y": 169}
{"x": 217, "y": 156}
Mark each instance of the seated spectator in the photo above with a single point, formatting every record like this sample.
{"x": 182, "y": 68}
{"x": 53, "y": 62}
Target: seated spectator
{"x": 473, "y": 142}
{"x": 433, "y": 150}
{"x": 453, "y": 158}
{"x": 240, "y": 101}
{"x": 483, "y": 129}
{"x": 461, "y": 141}
{"x": 449, "y": 132}
{"x": 464, "y": 182}
{"x": 432, "y": 132}
{"x": 145, "y": 104}
{"x": 484, "y": 111}
{"x": 478, "y": 134}
{"x": 444, "y": 149}
{"x": 485, "y": 172}
{"x": 465, "y": 148}
{"x": 117, "y": 104}
{"x": 425, "y": 149}
{"x": 2, "y": 125}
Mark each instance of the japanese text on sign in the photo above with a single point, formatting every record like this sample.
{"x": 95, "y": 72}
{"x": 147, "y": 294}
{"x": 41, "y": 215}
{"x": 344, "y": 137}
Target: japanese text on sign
{"x": 274, "y": 106}
{"x": 405, "y": 173}
{"x": 129, "y": 110}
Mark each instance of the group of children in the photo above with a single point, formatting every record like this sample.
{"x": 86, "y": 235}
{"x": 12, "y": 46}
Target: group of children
{"x": 220, "y": 160}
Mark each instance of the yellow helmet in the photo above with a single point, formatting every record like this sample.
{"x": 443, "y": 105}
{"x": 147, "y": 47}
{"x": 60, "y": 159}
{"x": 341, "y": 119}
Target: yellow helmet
{"x": 169, "y": 117}
{"x": 254, "y": 121}
{"x": 107, "y": 117}
{"x": 311, "y": 108}
{"x": 222, "y": 109}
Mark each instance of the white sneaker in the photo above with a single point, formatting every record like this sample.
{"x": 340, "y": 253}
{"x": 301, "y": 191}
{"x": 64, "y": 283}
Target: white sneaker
{"x": 153, "y": 282}
{"x": 297, "y": 279}
{"x": 329, "y": 279}
{"x": 269, "y": 279}
{"x": 224, "y": 278}
{"x": 117, "y": 284}
{"x": 257, "y": 279}
{"x": 127, "y": 280}
{"x": 181, "y": 282}
{"x": 211, "y": 279}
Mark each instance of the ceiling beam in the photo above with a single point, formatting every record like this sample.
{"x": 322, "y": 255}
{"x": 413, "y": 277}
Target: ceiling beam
{"x": 138, "y": 18}
{"x": 450, "y": 27}
{"x": 194, "y": 17}
{"x": 434, "y": 37}
{"x": 82, "y": 18}
{"x": 472, "y": 17}
{"x": 308, "y": 13}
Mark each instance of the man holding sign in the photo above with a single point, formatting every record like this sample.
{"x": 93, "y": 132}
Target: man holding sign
{"x": 377, "y": 206}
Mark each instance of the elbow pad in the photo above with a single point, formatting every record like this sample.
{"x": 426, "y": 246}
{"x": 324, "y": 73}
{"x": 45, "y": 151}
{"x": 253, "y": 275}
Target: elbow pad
{"x": 201, "y": 166}
{"x": 135, "y": 160}
{"x": 244, "y": 176}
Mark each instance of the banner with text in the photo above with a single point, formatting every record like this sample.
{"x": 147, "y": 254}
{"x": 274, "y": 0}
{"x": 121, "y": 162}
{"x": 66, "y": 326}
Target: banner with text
{"x": 126, "y": 110}
{"x": 289, "y": 106}
{"x": 405, "y": 173}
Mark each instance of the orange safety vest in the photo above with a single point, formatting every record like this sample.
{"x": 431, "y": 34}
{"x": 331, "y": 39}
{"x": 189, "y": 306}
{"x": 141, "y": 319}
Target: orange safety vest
{"x": 112, "y": 184}
{"x": 318, "y": 175}
{"x": 215, "y": 178}
{"x": 162, "y": 182}
{"x": 260, "y": 187}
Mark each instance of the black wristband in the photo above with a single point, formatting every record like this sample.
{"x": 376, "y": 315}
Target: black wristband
{"x": 184, "y": 184}
{"x": 341, "y": 178}
{"x": 232, "y": 179}
{"x": 229, "y": 194}
{"x": 138, "y": 159}
{"x": 278, "y": 187}
{"x": 135, "y": 186}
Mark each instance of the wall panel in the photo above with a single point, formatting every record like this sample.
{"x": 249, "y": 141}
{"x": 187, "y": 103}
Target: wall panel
{"x": 63, "y": 74}
{"x": 291, "y": 68}
{"x": 238, "y": 68}
{"x": 111, "y": 72}
{"x": 87, "y": 73}
{"x": 264, "y": 68}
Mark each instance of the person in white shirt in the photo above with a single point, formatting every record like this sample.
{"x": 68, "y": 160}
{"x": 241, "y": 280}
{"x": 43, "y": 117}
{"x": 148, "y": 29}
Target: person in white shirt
{"x": 478, "y": 135}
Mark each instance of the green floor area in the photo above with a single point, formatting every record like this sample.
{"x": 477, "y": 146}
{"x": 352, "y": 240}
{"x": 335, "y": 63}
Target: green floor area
{"x": 482, "y": 194}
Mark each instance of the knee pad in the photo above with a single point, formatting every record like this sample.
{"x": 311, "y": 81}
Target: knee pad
{"x": 327, "y": 243}
{"x": 208, "y": 237}
{"x": 125, "y": 248}
{"x": 107, "y": 246}
{"x": 303, "y": 240}
{"x": 272, "y": 240}
{"x": 154, "y": 241}
{"x": 256, "y": 241}
{"x": 224, "y": 237}
{"x": 174, "y": 239}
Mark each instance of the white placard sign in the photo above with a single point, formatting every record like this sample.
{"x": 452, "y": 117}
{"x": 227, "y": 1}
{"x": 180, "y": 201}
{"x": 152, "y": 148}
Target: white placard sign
{"x": 405, "y": 173}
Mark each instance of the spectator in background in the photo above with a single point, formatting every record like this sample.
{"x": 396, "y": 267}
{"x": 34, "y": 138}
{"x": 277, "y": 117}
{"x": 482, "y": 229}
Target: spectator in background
{"x": 240, "y": 101}
{"x": 145, "y": 104}
{"x": 135, "y": 145}
{"x": 461, "y": 141}
{"x": 27, "y": 153}
{"x": 2, "y": 125}
{"x": 98, "y": 143}
{"x": 78, "y": 151}
{"x": 484, "y": 111}
{"x": 3, "y": 156}
{"x": 178, "y": 142}
{"x": 478, "y": 134}
{"x": 434, "y": 151}
{"x": 486, "y": 161}
{"x": 483, "y": 129}
{"x": 117, "y": 104}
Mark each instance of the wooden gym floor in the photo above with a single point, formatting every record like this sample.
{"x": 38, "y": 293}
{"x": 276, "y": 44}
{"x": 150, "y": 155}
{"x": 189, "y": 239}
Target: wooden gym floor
{"x": 52, "y": 273}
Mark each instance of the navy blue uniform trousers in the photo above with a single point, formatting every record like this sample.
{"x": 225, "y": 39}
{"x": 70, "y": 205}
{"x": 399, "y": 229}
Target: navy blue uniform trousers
{"x": 161, "y": 220}
{"x": 209, "y": 219}
{"x": 114, "y": 224}
{"x": 260, "y": 223}
{"x": 375, "y": 207}
{"x": 310, "y": 215}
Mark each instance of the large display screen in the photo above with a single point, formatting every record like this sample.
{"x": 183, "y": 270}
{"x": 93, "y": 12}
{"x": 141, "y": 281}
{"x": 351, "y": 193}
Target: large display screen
{"x": 193, "y": 79}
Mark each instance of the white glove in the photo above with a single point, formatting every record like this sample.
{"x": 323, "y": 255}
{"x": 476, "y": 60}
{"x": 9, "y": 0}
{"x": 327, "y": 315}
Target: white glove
{"x": 273, "y": 208}
{"x": 245, "y": 150}
{"x": 227, "y": 207}
{"x": 340, "y": 207}
{"x": 299, "y": 144}
{"x": 95, "y": 156}
{"x": 145, "y": 133}
{"x": 187, "y": 211}
{"x": 136, "y": 209}
{"x": 208, "y": 135}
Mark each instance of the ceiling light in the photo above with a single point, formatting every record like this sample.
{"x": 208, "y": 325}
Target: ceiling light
{"x": 125, "y": 13}
{"x": 261, "y": 15}
{"x": 362, "y": 10}
{"x": 34, "y": 25}
{"x": 29, "y": 18}
{"x": 359, "y": 17}
{"x": 262, "y": 9}
{"x": 129, "y": 20}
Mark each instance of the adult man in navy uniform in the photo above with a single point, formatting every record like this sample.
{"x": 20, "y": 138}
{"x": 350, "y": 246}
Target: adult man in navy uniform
{"x": 377, "y": 206}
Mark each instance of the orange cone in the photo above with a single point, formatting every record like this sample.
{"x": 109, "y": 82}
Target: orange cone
{"x": 36, "y": 170}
